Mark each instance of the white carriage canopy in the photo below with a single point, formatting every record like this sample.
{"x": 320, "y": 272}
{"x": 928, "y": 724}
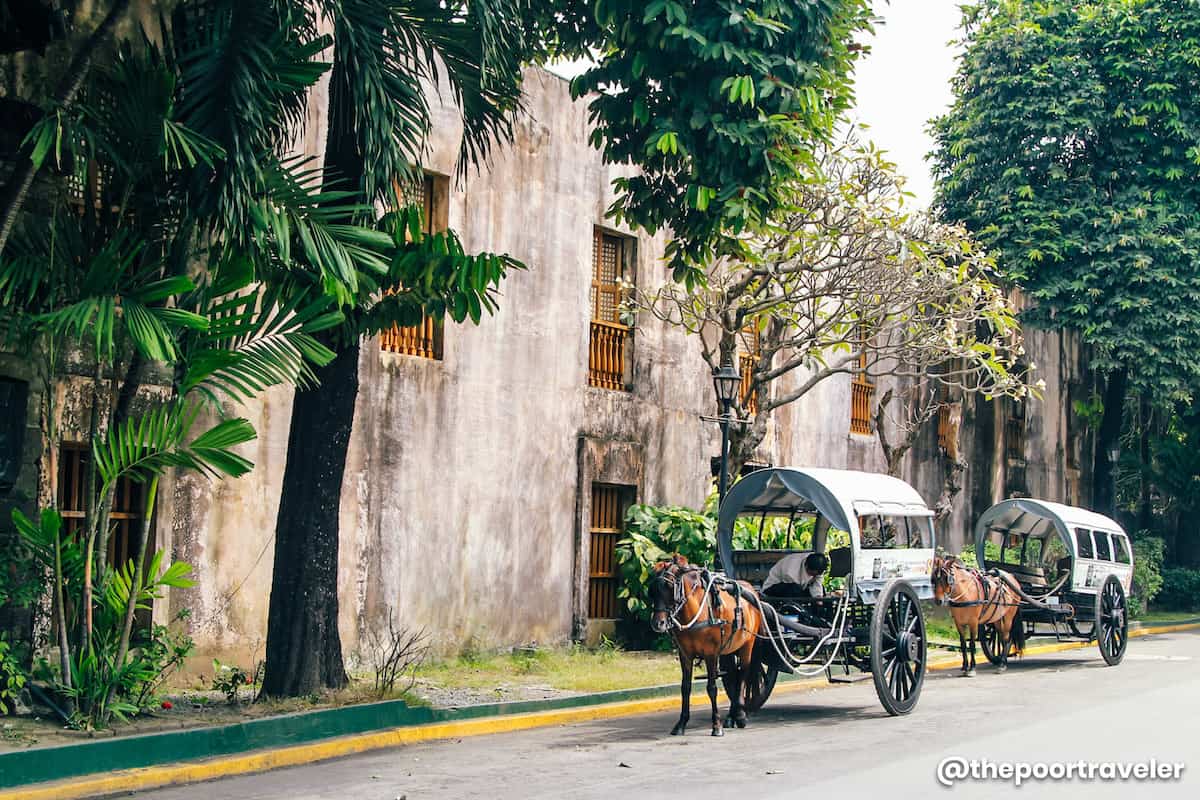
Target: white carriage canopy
{"x": 838, "y": 495}
{"x": 1039, "y": 519}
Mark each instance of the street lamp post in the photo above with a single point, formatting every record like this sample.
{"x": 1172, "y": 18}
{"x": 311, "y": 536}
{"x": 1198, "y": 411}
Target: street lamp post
{"x": 726, "y": 381}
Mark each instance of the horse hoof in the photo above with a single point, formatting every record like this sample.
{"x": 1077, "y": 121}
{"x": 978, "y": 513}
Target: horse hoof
{"x": 740, "y": 722}
{"x": 718, "y": 731}
{"x": 678, "y": 730}
{"x": 728, "y": 723}
{"x": 969, "y": 673}
{"x": 1002, "y": 668}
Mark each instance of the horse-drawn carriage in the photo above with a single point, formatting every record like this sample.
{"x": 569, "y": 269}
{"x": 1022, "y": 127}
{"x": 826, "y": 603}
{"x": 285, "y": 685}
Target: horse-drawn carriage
{"x": 1074, "y": 567}
{"x": 878, "y": 536}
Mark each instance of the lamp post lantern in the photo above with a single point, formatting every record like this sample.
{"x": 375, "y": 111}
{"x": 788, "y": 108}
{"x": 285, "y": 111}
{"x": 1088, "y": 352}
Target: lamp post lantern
{"x": 726, "y": 381}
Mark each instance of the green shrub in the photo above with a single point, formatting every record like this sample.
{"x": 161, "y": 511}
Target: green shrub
{"x": 1180, "y": 589}
{"x": 228, "y": 679}
{"x": 1148, "y": 554}
{"x": 12, "y": 674}
{"x": 653, "y": 534}
{"x": 991, "y": 552}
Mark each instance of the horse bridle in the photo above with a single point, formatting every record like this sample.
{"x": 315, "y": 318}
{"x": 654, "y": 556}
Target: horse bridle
{"x": 681, "y": 591}
{"x": 673, "y": 576}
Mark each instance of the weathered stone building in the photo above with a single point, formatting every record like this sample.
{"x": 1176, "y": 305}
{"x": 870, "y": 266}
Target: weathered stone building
{"x": 489, "y": 466}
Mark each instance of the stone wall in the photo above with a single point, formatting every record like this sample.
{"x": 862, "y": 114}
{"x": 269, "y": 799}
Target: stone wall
{"x": 467, "y": 498}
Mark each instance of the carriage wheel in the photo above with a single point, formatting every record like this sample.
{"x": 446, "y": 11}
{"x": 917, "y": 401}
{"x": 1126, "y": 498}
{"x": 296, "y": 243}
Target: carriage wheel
{"x": 898, "y": 648}
{"x": 989, "y": 642}
{"x": 1112, "y": 621}
{"x": 760, "y": 682}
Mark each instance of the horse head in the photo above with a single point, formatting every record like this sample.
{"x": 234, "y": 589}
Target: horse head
{"x": 942, "y": 577}
{"x": 666, "y": 592}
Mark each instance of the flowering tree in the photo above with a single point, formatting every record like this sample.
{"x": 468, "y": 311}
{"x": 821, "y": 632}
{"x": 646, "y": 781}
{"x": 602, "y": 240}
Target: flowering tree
{"x": 847, "y": 282}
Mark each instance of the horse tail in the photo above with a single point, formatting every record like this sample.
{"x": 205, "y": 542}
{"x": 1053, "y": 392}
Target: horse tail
{"x": 1018, "y": 632}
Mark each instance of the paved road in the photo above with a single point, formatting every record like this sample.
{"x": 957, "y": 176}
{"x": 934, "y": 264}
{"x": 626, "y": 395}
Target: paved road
{"x": 834, "y": 742}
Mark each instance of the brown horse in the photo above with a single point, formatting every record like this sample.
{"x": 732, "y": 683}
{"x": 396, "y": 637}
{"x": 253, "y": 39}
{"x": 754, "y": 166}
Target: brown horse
{"x": 707, "y": 618}
{"x": 977, "y": 599}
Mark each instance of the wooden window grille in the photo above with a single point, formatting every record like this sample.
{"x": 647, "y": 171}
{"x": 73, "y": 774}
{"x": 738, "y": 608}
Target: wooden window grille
{"x": 609, "y": 504}
{"x": 127, "y": 509}
{"x": 861, "y": 390}
{"x": 608, "y": 337}
{"x": 425, "y": 339}
{"x": 747, "y": 360}
{"x": 1014, "y": 431}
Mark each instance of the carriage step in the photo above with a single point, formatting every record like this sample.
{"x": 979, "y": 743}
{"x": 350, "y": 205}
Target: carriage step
{"x": 862, "y": 676}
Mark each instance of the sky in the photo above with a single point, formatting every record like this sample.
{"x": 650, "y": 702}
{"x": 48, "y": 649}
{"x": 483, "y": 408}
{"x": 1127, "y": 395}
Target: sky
{"x": 902, "y": 83}
{"x": 905, "y": 81}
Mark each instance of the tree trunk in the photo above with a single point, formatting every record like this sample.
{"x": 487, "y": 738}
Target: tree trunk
{"x": 1104, "y": 489}
{"x": 304, "y": 649}
{"x": 1145, "y": 505}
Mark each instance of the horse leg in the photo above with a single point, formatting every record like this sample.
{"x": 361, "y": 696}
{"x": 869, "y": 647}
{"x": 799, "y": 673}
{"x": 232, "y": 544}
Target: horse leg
{"x": 1004, "y": 636}
{"x": 686, "y": 665}
{"x": 710, "y": 663}
{"x": 729, "y": 668}
{"x": 974, "y": 634}
{"x": 737, "y": 703}
{"x": 962, "y": 646}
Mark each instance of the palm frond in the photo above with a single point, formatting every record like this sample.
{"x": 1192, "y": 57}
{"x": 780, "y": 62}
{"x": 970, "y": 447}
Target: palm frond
{"x": 144, "y": 446}
{"x": 259, "y": 339}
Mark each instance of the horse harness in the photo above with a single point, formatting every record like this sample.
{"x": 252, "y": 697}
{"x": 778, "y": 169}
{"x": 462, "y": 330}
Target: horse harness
{"x": 991, "y": 588}
{"x": 712, "y": 585}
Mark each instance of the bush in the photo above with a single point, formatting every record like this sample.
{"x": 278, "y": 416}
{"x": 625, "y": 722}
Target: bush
{"x": 1180, "y": 589}
{"x": 228, "y": 679}
{"x": 1148, "y": 554}
{"x": 653, "y": 534}
{"x": 12, "y": 675}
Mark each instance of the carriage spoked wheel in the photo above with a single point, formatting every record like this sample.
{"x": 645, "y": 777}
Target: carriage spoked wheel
{"x": 898, "y": 648}
{"x": 760, "y": 682}
{"x": 989, "y": 642}
{"x": 1112, "y": 621}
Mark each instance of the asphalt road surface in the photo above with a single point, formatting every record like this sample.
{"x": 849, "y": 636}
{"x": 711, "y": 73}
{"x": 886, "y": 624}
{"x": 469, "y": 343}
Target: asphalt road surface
{"x": 837, "y": 742}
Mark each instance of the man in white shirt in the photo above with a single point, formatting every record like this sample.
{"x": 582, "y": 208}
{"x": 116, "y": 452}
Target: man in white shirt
{"x": 797, "y": 575}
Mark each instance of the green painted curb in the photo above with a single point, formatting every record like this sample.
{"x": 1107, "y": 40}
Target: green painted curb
{"x": 39, "y": 764}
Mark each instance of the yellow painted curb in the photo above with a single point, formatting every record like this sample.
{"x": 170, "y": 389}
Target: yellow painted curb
{"x": 225, "y": 766}
{"x": 1057, "y": 647}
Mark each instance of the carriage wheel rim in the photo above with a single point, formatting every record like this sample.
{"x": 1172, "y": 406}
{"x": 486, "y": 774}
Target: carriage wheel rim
{"x": 1112, "y": 622}
{"x": 902, "y": 633}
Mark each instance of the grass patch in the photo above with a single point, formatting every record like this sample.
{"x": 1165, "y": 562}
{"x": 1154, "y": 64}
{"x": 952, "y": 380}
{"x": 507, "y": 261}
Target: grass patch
{"x": 939, "y": 626}
{"x": 575, "y": 669}
{"x": 1166, "y": 617}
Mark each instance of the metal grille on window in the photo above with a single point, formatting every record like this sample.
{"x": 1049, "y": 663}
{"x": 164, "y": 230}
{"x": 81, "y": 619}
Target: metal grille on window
{"x": 609, "y": 504}
{"x": 424, "y": 339}
{"x": 861, "y": 389}
{"x": 608, "y": 337}
{"x": 747, "y": 360}
{"x": 125, "y": 520}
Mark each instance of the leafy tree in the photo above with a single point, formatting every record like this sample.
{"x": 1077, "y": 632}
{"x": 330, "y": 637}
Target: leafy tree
{"x": 843, "y": 281}
{"x": 1070, "y": 152}
{"x": 714, "y": 102}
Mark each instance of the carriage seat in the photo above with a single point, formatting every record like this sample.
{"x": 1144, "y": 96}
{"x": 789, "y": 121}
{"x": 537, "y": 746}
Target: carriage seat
{"x": 753, "y": 565}
{"x": 1028, "y": 576}
{"x": 840, "y": 560}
